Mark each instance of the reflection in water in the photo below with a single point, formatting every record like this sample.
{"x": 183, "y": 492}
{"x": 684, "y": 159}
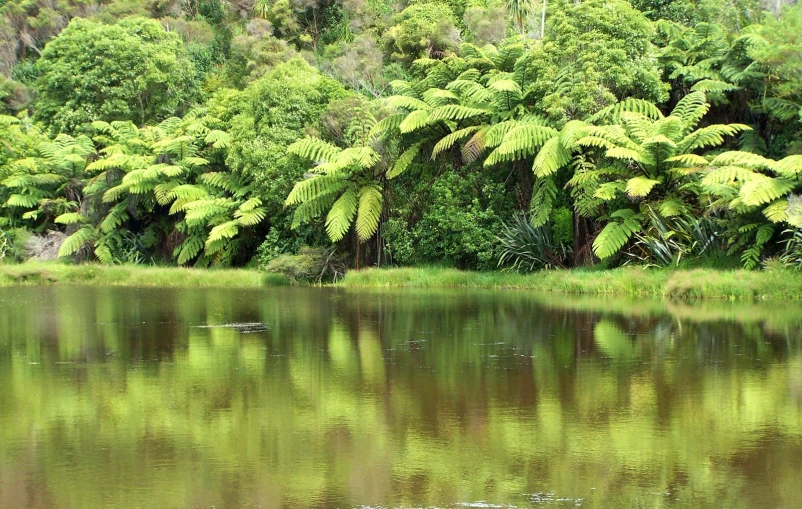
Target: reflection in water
{"x": 303, "y": 397}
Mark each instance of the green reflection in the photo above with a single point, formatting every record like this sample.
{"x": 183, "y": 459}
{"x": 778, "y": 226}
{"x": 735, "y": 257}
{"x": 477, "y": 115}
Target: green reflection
{"x": 138, "y": 398}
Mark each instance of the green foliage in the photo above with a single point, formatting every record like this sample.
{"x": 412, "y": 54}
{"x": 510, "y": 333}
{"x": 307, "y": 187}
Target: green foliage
{"x": 132, "y": 70}
{"x": 792, "y": 252}
{"x": 422, "y": 29}
{"x": 627, "y": 127}
{"x": 266, "y": 118}
{"x": 524, "y": 248}
{"x": 310, "y": 265}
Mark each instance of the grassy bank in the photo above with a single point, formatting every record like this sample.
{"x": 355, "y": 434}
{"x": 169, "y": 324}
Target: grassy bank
{"x": 696, "y": 283}
{"x": 779, "y": 284}
{"x": 133, "y": 275}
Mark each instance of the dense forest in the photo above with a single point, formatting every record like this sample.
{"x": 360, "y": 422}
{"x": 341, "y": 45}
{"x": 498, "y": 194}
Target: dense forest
{"x": 308, "y": 136}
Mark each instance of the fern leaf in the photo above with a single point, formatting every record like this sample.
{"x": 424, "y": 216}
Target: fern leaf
{"x": 543, "y": 195}
{"x": 370, "y": 210}
{"x": 190, "y": 248}
{"x": 71, "y": 218}
{"x": 404, "y": 160}
{"x": 715, "y": 86}
{"x": 76, "y": 241}
{"x": 341, "y": 215}
{"x": 691, "y": 160}
{"x": 520, "y": 143}
{"x": 406, "y": 103}
{"x": 448, "y": 141}
{"x": 551, "y": 157}
{"x": 748, "y": 159}
{"x": 452, "y": 112}
{"x": 22, "y": 200}
{"x": 790, "y": 166}
{"x": 764, "y": 190}
{"x": 777, "y": 211}
{"x": 251, "y": 217}
{"x": 639, "y": 187}
{"x": 314, "y": 149}
{"x": 227, "y": 230}
{"x": 414, "y": 121}
{"x": 615, "y": 235}
{"x": 308, "y": 189}
{"x": 691, "y": 108}
{"x": 218, "y": 139}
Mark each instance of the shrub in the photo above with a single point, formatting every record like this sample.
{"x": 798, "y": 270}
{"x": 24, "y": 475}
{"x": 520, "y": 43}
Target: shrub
{"x": 524, "y": 248}
{"x": 310, "y": 265}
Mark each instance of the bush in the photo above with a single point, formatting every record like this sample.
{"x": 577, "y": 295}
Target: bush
{"x": 310, "y": 265}
{"x": 792, "y": 254}
{"x": 524, "y": 248}
{"x": 132, "y": 70}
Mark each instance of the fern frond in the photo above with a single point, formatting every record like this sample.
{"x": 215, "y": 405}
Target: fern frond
{"x": 314, "y": 149}
{"x": 690, "y": 160}
{"x": 762, "y": 189}
{"x": 251, "y": 217}
{"x": 748, "y": 159}
{"x": 615, "y": 235}
{"x": 710, "y": 136}
{"x": 777, "y": 211}
{"x": 308, "y": 189}
{"x": 727, "y": 174}
{"x": 690, "y": 109}
{"x": 341, "y": 215}
{"x": 543, "y": 195}
{"x": 448, "y": 141}
{"x": 71, "y": 218}
{"x": 22, "y": 200}
{"x": 115, "y": 217}
{"x": 76, "y": 241}
{"x": 404, "y": 160}
{"x": 452, "y": 112}
{"x": 189, "y": 249}
{"x": 371, "y": 204}
{"x": 551, "y": 157}
{"x": 520, "y": 143}
{"x": 715, "y": 86}
{"x": 414, "y": 121}
{"x": 227, "y": 230}
{"x": 639, "y": 187}
{"x": 402, "y": 102}
{"x": 790, "y": 166}
{"x": 386, "y": 125}
{"x": 218, "y": 139}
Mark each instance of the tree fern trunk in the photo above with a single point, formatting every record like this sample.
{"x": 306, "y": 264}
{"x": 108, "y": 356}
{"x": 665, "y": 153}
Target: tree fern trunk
{"x": 582, "y": 238}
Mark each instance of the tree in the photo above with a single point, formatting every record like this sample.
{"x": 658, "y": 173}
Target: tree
{"x": 132, "y": 70}
{"x": 345, "y": 183}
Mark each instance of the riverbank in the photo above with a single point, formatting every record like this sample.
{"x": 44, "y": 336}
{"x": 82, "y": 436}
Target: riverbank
{"x": 779, "y": 284}
{"x": 775, "y": 284}
{"x": 133, "y": 275}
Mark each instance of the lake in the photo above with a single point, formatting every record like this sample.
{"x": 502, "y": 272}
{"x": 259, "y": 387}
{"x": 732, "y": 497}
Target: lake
{"x": 327, "y": 397}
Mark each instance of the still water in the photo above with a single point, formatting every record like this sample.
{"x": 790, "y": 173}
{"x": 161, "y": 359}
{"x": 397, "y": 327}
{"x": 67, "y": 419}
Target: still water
{"x": 309, "y": 397}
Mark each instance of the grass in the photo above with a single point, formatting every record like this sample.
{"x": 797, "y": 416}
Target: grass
{"x": 774, "y": 283}
{"x": 780, "y": 284}
{"x": 132, "y": 275}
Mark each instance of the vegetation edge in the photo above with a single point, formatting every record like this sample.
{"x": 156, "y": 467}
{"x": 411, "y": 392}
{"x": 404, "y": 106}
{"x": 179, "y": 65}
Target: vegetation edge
{"x": 773, "y": 284}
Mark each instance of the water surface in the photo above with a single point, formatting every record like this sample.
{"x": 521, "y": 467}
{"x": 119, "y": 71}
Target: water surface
{"x": 306, "y": 397}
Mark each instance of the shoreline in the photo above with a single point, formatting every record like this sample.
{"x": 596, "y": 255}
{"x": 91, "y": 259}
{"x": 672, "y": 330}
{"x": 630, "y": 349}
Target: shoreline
{"x": 777, "y": 284}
